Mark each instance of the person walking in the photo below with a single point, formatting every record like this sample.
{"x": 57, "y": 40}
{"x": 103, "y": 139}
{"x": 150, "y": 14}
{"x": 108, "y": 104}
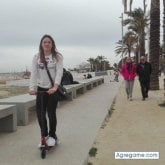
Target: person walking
{"x": 144, "y": 70}
{"x": 128, "y": 72}
{"x": 47, "y": 60}
{"x": 116, "y": 73}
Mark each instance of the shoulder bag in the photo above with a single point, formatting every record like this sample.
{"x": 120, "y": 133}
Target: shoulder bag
{"x": 61, "y": 89}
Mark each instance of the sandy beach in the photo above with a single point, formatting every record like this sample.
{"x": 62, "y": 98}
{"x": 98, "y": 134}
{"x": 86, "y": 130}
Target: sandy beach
{"x": 11, "y": 85}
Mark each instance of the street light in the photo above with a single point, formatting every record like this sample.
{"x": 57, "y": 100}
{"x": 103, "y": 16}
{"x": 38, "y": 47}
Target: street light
{"x": 122, "y": 34}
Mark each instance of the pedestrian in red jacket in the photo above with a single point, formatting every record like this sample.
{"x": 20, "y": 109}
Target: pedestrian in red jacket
{"x": 128, "y": 72}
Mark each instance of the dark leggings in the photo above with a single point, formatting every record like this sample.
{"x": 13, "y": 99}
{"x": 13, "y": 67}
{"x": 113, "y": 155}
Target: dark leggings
{"x": 47, "y": 103}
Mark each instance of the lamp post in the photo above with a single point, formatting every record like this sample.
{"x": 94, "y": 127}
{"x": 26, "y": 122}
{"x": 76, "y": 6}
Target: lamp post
{"x": 122, "y": 30}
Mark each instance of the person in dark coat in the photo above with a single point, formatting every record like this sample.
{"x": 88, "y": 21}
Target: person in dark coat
{"x": 144, "y": 70}
{"x": 67, "y": 78}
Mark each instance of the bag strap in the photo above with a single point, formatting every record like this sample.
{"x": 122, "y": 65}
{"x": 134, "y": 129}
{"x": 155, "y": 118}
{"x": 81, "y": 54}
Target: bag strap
{"x": 49, "y": 75}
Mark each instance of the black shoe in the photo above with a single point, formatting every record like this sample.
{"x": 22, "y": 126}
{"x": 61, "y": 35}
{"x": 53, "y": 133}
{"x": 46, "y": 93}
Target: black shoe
{"x": 143, "y": 98}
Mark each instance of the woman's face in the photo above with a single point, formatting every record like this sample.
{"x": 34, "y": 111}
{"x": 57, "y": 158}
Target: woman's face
{"x": 128, "y": 60}
{"x": 47, "y": 44}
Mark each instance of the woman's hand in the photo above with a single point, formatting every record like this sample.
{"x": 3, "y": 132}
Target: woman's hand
{"x": 32, "y": 92}
{"x": 52, "y": 90}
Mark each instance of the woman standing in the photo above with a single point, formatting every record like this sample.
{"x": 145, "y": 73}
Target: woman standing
{"x": 47, "y": 94}
{"x": 128, "y": 72}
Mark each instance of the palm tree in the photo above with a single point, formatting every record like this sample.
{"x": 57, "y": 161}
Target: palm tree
{"x": 137, "y": 23}
{"x": 163, "y": 47}
{"x": 125, "y": 6}
{"x": 100, "y": 59}
{"x": 163, "y": 50}
{"x": 96, "y": 64}
{"x": 141, "y": 46}
{"x": 144, "y": 6}
{"x": 121, "y": 48}
{"x": 155, "y": 42}
{"x": 91, "y": 61}
{"x": 130, "y": 6}
{"x": 128, "y": 44}
{"x": 106, "y": 65}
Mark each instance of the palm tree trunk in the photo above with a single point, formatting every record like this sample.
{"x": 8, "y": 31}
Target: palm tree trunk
{"x": 130, "y": 6}
{"x": 155, "y": 42}
{"x": 142, "y": 47}
{"x": 144, "y": 6}
{"x": 163, "y": 52}
{"x": 142, "y": 44}
{"x": 91, "y": 66}
{"x": 125, "y": 5}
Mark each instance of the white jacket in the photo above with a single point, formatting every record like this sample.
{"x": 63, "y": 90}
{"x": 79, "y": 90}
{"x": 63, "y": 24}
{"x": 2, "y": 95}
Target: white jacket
{"x": 39, "y": 76}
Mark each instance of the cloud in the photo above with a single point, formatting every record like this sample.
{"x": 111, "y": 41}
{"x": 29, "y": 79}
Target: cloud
{"x": 81, "y": 29}
{"x": 70, "y": 22}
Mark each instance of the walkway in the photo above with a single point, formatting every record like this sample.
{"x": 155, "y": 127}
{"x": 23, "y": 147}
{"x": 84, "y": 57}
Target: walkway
{"x": 78, "y": 124}
{"x": 135, "y": 126}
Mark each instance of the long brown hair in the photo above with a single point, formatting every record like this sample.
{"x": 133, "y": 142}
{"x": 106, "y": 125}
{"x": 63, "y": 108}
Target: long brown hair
{"x": 53, "y": 50}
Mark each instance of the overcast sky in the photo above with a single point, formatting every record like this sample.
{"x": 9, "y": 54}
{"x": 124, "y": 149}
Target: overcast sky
{"x": 80, "y": 28}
